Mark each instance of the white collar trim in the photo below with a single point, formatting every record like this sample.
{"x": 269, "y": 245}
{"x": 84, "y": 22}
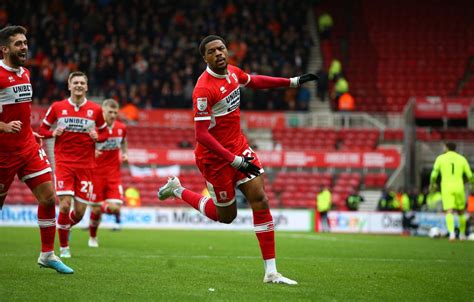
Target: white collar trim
{"x": 216, "y": 75}
{"x": 18, "y": 71}
{"x": 75, "y": 105}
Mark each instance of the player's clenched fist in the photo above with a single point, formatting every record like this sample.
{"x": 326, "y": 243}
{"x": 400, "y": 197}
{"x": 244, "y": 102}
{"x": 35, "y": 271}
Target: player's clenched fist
{"x": 58, "y": 131}
{"x": 11, "y": 127}
{"x": 244, "y": 164}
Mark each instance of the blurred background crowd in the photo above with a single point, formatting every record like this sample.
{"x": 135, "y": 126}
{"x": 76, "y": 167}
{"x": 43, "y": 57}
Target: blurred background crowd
{"x": 135, "y": 50}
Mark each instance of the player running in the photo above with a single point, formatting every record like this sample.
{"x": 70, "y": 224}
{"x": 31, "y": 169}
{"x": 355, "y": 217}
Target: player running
{"x": 19, "y": 152}
{"x": 222, "y": 153}
{"x": 107, "y": 188}
{"x": 74, "y": 150}
{"x": 453, "y": 167}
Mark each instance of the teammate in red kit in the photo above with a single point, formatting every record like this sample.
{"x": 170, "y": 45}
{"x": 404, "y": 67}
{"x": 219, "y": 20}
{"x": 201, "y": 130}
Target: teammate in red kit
{"x": 107, "y": 183}
{"x": 222, "y": 153}
{"x": 74, "y": 150}
{"x": 19, "y": 152}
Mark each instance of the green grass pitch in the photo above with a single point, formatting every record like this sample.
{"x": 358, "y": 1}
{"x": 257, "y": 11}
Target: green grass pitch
{"x": 159, "y": 265}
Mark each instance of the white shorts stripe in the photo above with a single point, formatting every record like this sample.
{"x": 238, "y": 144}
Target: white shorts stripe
{"x": 62, "y": 193}
{"x": 118, "y": 201}
{"x": 84, "y": 201}
{"x": 33, "y": 175}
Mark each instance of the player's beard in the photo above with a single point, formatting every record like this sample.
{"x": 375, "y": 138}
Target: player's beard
{"x": 16, "y": 60}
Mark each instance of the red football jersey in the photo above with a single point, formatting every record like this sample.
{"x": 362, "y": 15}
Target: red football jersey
{"x": 109, "y": 161}
{"x": 75, "y": 148}
{"x": 15, "y": 105}
{"x": 217, "y": 98}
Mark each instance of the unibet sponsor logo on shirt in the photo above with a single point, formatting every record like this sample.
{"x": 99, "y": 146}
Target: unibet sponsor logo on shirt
{"x": 76, "y": 124}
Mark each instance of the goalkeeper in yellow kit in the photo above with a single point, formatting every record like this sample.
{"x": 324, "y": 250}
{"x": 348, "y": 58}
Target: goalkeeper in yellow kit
{"x": 453, "y": 167}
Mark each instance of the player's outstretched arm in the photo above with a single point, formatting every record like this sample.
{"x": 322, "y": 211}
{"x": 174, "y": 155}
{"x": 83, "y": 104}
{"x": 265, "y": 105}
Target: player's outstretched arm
{"x": 266, "y": 82}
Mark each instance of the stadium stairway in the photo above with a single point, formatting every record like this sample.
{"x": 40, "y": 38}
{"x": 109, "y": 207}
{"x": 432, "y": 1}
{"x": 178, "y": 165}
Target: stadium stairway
{"x": 371, "y": 199}
{"x": 315, "y": 63}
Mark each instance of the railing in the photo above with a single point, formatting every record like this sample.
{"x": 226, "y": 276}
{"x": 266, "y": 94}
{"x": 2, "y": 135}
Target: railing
{"x": 334, "y": 120}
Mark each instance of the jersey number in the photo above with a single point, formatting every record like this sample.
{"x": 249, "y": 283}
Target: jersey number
{"x": 42, "y": 155}
{"x": 86, "y": 186}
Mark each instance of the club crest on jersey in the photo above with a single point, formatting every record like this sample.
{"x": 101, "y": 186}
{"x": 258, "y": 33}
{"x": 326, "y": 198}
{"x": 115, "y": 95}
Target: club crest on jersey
{"x": 60, "y": 184}
{"x": 90, "y": 113}
{"x": 223, "y": 90}
{"x": 223, "y": 195}
{"x": 64, "y": 112}
{"x": 11, "y": 79}
{"x": 201, "y": 104}
{"x": 120, "y": 132}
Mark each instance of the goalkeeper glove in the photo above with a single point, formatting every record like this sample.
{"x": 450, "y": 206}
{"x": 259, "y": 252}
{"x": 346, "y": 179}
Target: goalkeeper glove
{"x": 244, "y": 164}
{"x": 298, "y": 81}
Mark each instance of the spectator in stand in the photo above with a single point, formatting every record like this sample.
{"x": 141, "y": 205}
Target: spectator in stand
{"x": 341, "y": 86}
{"x": 302, "y": 99}
{"x": 433, "y": 200}
{"x": 129, "y": 113}
{"x": 324, "y": 203}
{"x": 325, "y": 24}
{"x": 403, "y": 200}
{"x": 417, "y": 199}
{"x": 335, "y": 69}
{"x": 322, "y": 87}
{"x": 345, "y": 106}
{"x": 353, "y": 200}
{"x": 386, "y": 200}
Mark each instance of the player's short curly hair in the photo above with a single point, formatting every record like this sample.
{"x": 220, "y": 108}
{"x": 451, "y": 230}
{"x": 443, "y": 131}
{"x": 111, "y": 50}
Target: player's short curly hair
{"x": 9, "y": 31}
{"x": 210, "y": 38}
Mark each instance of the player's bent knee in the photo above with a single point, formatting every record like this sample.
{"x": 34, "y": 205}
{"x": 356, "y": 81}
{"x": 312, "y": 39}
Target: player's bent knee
{"x": 227, "y": 219}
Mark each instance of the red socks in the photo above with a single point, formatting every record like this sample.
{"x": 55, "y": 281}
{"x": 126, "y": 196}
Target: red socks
{"x": 203, "y": 204}
{"x": 47, "y": 225}
{"x": 104, "y": 208}
{"x": 263, "y": 226}
{"x": 64, "y": 224}
{"x": 94, "y": 224}
{"x": 73, "y": 218}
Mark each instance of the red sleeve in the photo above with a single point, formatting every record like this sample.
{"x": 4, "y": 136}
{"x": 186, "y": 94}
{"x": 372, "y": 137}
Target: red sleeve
{"x": 99, "y": 120}
{"x": 207, "y": 140}
{"x": 45, "y": 131}
{"x": 50, "y": 117}
{"x": 264, "y": 82}
{"x": 103, "y": 135}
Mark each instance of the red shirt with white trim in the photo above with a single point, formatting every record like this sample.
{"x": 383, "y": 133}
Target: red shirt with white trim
{"x": 15, "y": 105}
{"x": 217, "y": 98}
{"x": 75, "y": 148}
{"x": 108, "y": 163}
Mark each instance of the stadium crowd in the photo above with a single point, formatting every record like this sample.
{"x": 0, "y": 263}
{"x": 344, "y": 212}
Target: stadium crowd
{"x": 145, "y": 52}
